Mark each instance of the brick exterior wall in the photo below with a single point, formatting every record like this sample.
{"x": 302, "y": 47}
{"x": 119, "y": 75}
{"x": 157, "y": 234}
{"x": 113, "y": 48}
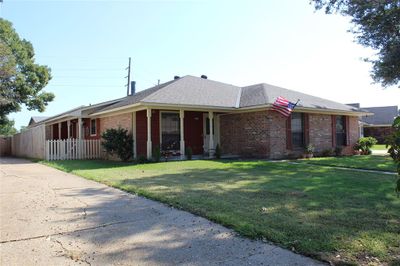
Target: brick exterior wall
{"x": 276, "y": 126}
{"x": 122, "y": 120}
{"x": 244, "y": 134}
{"x": 263, "y": 134}
{"x": 380, "y": 133}
{"x": 320, "y": 132}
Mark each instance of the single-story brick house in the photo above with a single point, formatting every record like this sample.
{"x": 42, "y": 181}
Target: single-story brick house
{"x": 200, "y": 113}
{"x": 379, "y": 125}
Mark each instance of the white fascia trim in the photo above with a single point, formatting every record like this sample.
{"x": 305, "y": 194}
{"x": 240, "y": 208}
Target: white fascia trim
{"x": 378, "y": 125}
{"x": 202, "y": 108}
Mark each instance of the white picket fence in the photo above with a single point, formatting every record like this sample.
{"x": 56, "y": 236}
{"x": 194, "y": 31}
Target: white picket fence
{"x": 73, "y": 149}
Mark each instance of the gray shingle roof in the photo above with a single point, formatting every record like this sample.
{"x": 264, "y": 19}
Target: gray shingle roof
{"x": 36, "y": 119}
{"x": 190, "y": 90}
{"x": 137, "y": 97}
{"x": 382, "y": 115}
{"x": 266, "y": 94}
{"x": 196, "y": 91}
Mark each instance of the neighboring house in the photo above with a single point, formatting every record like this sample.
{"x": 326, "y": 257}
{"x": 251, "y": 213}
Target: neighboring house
{"x": 35, "y": 120}
{"x": 200, "y": 113}
{"x": 379, "y": 125}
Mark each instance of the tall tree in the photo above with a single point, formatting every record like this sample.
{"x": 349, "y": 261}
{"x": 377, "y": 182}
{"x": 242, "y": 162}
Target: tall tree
{"x": 393, "y": 142}
{"x": 376, "y": 25}
{"x": 21, "y": 79}
{"x": 8, "y": 129}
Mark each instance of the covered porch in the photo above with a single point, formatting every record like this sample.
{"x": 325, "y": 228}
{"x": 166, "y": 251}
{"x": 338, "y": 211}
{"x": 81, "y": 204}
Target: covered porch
{"x": 174, "y": 131}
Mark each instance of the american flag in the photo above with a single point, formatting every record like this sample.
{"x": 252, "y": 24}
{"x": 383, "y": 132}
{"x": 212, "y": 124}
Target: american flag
{"x": 283, "y": 106}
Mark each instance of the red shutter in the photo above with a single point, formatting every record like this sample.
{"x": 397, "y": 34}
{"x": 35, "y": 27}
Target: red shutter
{"x": 306, "y": 118}
{"x": 333, "y": 118}
{"x": 347, "y": 119}
{"x": 289, "y": 133}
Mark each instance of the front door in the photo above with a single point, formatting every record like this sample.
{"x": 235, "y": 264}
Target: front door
{"x": 206, "y": 132}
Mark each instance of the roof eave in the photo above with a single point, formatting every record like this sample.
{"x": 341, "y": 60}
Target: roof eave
{"x": 310, "y": 110}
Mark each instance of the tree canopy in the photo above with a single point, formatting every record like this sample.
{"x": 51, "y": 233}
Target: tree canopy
{"x": 21, "y": 79}
{"x": 376, "y": 25}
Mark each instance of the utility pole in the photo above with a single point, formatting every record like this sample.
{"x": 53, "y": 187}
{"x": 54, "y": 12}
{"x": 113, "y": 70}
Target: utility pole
{"x": 158, "y": 84}
{"x": 129, "y": 78}
{"x": 1, "y": 7}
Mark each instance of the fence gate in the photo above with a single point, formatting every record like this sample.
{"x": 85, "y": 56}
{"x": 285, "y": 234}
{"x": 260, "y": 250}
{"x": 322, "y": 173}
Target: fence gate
{"x": 73, "y": 149}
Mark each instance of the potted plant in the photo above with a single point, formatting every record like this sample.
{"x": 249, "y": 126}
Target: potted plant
{"x": 309, "y": 151}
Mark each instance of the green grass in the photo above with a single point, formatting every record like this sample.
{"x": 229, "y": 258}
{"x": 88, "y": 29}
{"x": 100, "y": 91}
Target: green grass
{"x": 317, "y": 211}
{"x": 369, "y": 162}
{"x": 379, "y": 147}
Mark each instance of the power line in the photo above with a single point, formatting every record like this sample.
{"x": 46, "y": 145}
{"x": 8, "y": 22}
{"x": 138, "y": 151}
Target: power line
{"x": 85, "y": 69}
{"x": 83, "y": 85}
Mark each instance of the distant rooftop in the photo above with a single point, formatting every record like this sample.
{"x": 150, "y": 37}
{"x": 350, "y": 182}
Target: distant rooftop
{"x": 383, "y": 115}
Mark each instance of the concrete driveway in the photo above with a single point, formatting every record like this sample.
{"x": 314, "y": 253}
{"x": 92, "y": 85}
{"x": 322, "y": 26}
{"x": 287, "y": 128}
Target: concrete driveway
{"x": 49, "y": 217}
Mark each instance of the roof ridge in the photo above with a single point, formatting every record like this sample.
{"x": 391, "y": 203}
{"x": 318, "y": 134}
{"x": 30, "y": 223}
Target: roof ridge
{"x": 239, "y": 98}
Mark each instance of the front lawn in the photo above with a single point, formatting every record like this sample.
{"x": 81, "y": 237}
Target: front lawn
{"x": 379, "y": 147}
{"x": 326, "y": 213}
{"x": 369, "y": 162}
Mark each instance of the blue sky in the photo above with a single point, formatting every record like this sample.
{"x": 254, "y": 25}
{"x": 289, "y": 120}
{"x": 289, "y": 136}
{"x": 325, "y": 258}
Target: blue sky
{"x": 281, "y": 42}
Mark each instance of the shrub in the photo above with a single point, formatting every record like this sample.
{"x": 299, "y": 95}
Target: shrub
{"x": 189, "y": 153}
{"x": 218, "y": 152}
{"x": 366, "y": 143}
{"x": 309, "y": 149}
{"x": 141, "y": 159}
{"x": 157, "y": 154}
{"x": 327, "y": 153}
{"x": 338, "y": 150}
{"x": 118, "y": 142}
{"x": 357, "y": 146}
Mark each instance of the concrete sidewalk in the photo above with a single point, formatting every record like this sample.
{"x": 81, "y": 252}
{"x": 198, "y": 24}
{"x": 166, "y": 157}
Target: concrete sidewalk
{"x": 49, "y": 217}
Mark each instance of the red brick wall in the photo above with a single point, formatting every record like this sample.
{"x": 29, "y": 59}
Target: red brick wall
{"x": 193, "y": 131}
{"x": 263, "y": 134}
{"x": 353, "y": 134}
{"x": 320, "y": 132}
{"x": 380, "y": 133}
{"x": 276, "y": 132}
{"x": 244, "y": 134}
{"x": 122, "y": 120}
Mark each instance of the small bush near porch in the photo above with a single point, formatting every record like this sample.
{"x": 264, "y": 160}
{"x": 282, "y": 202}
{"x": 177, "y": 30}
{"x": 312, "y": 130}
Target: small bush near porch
{"x": 326, "y": 213}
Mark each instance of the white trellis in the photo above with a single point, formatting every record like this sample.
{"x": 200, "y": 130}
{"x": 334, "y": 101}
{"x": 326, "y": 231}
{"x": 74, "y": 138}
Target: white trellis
{"x": 73, "y": 149}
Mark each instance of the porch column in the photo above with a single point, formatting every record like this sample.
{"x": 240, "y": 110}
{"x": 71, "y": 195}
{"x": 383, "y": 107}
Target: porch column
{"x": 134, "y": 134}
{"x": 79, "y": 152}
{"x": 79, "y": 128}
{"x": 59, "y": 130}
{"x": 68, "y": 128}
{"x": 52, "y": 132}
{"x": 149, "y": 146}
{"x": 182, "y": 142}
{"x": 211, "y": 141}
